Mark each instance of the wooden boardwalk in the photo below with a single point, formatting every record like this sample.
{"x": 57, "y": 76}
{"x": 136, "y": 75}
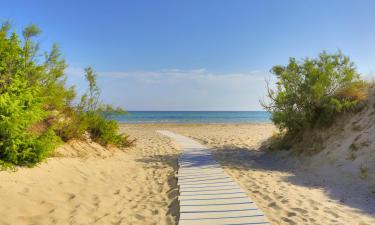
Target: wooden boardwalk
{"x": 208, "y": 196}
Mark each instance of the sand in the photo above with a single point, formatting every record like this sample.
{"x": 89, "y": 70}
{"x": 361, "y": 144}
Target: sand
{"x": 289, "y": 190}
{"x": 87, "y": 184}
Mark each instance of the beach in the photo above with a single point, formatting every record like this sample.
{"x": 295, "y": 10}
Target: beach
{"x": 187, "y": 113}
{"x": 85, "y": 183}
{"x": 88, "y": 184}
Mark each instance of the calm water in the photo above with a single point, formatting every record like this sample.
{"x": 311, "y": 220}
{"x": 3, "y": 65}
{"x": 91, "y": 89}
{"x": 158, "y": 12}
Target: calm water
{"x": 193, "y": 117}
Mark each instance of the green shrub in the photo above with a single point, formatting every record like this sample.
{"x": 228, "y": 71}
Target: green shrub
{"x": 36, "y": 112}
{"x": 91, "y": 112}
{"x": 72, "y": 126}
{"x": 22, "y": 100}
{"x": 105, "y": 131}
{"x": 313, "y": 91}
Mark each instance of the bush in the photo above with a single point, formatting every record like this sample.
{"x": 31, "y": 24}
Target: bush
{"x": 90, "y": 116}
{"x": 105, "y": 131}
{"x": 23, "y": 101}
{"x": 35, "y": 105}
{"x": 72, "y": 126}
{"x": 313, "y": 91}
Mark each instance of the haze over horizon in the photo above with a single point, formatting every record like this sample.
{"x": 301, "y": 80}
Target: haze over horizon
{"x": 194, "y": 55}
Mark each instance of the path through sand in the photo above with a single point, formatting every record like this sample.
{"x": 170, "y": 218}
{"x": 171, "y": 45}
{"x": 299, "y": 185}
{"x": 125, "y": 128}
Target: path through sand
{"x": 208, "y": 196}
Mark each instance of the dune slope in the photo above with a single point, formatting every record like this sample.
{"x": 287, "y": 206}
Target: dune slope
{"x": 88, "y": 184}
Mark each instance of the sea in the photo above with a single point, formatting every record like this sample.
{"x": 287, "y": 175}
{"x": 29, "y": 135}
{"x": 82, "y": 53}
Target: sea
{"x": 213, "y": 117}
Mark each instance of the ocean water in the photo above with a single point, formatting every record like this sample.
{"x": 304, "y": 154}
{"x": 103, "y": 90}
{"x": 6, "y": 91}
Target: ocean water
{"x": 193, "y": 117}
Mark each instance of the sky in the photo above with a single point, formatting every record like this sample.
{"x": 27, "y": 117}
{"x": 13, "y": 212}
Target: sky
{"x": 194, "y": 54}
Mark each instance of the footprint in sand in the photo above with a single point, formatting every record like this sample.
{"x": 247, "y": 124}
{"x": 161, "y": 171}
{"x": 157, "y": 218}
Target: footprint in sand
{"x": 139, "y": 217}
{"x": 288, "y": 221}
{"x": 331, "y": 213}
{"x": 284, "y": 201}
{"x": 96, "y": 201}
{"x": 312, "y": 220}
{"x": 267, "y": 198}
{"x": 299, "y": 210}
{"x": 274, "y": 205}
{"x": 25, "y": 190}
{"x": 73, "y": 213}
{"x": 155, "y": 212}
{"x": 70, "y": 196}
{"x": 312, "y": 202}
{"x": 51, "y": 211}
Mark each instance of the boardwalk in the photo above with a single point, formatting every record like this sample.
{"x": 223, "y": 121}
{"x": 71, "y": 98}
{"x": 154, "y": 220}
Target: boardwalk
{"x": 207, "y": 194}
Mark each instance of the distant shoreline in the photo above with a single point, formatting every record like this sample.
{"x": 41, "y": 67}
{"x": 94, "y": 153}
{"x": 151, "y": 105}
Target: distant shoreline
{"x": 193, "y": 117}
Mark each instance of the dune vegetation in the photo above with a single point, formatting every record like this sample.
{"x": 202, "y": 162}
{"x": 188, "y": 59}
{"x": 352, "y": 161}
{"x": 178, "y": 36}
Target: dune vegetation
{"x": 37, "y": 109}
{"x": 311, "y": 93}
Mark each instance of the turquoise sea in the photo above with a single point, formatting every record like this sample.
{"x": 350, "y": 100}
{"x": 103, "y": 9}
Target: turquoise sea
{"x": 193, "y": 117}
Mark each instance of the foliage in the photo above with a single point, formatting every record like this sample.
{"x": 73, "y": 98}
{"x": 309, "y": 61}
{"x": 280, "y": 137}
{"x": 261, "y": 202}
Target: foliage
{"x": 105, "y": 131}
{"x": 313, "y": 91}
{"x": 90, "y": 115}
{"x": 24, "y": 84}
{"x": 36, "y": 111}
{"x": 92, "y": 112}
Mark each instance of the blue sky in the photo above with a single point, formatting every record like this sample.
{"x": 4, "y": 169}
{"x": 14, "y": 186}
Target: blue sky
{"x": 194, "y": 54}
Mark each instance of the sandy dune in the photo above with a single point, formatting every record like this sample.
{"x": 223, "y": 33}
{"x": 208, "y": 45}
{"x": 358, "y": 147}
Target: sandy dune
{"x": 99, "y": 187}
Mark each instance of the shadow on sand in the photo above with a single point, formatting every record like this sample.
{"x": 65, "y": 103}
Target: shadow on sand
{"x": 354, "y": 194}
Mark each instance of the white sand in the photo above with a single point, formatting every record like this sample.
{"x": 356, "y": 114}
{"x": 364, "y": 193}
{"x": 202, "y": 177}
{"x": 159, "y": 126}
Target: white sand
{"x": 286, "y": 189}
{"x": 88, "y": 184}
{"x": 99, "y": 187}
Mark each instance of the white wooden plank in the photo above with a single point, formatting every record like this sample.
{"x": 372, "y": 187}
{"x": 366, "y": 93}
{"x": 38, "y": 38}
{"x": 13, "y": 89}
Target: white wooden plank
{"x": 227, "y": 214}
{"x": 188, "y": 208}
